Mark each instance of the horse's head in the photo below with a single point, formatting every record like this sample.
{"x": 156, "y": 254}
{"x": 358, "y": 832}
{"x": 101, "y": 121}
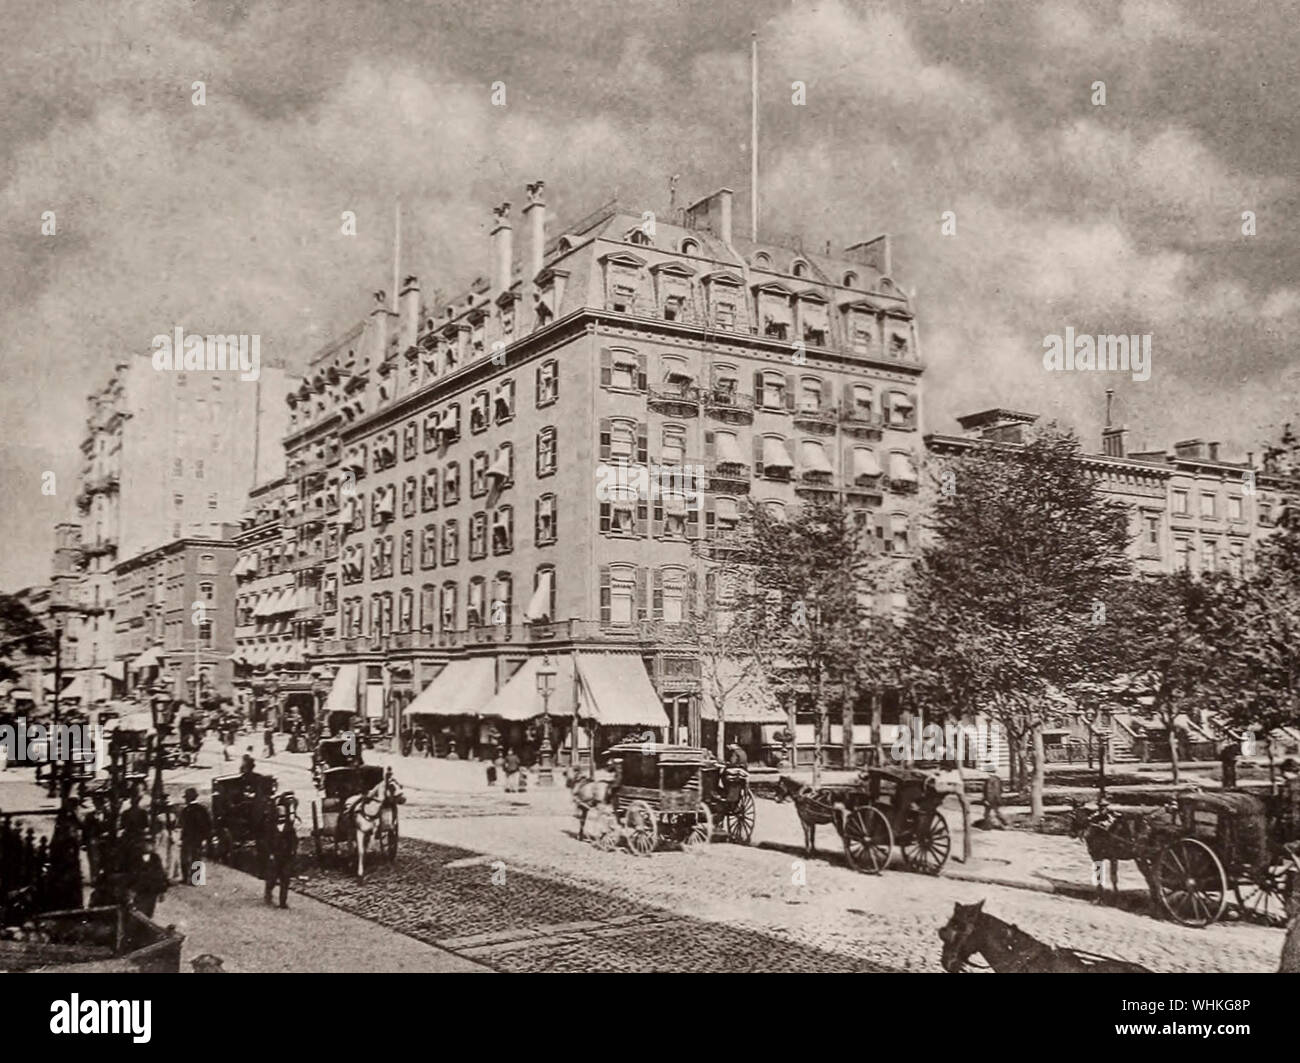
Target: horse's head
{"x": 787, "y": 788}
{"x": 1079, "y": 817}
{"x": 960, "y": 936}
{"x": 390, "y": 790}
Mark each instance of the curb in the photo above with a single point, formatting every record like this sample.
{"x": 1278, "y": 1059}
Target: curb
{"x": 997, "y": 880}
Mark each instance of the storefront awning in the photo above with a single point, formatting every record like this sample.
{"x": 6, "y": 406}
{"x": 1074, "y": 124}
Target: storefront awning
{"x": 116, "y": 670}
{"x": 343, "y": 691}
{"x": 460, "y": 689}
{"x": 151, "y": 658}
{"x": 71, "y": 692}
{"x": 746, "y": 698}
{"x": 616, "y": 691}
{"x": 520, "y": 700}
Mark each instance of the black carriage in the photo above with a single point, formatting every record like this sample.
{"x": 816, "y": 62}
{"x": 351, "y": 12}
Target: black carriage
{"x": 888, "y": 807}
{"x": 238, "y": 803}
{"x": 335, "y": 785}
{"x": 1218, "y": 842}
{"x": 675, "y": 793}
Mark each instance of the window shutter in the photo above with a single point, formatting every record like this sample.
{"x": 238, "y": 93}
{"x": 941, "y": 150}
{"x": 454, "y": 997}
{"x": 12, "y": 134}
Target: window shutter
{"x": 692, "y": 593}
{"x": 659, "y": 519}
{"x": 642, "y": 592}
{"x": 537, "y": 384}
{"x": 758, "y": 388}
{"x": 657, "y": 601}
{"x": 604, "y": 594}
{"x": 708, "y": 448}
{"x": 605, "y": 429}
{"x": 640, "y": 372}
{"x": 885, "y": 406}
{"x": 758, "y": 455}
{"x": 846, "y": 398}
{"x": 827, "y": 395}
{"x": 642, "y": 441}
{"x": 604, "y": 517}
{"x": 606, "y": 367}
{"x": 692, "y": 519}
{"x": 847, "y": 469}
{"x": 710, "y": 520}
{"x": 555, "y": 394}
{"x": 537, "y": 522}
{"x": 789, "y": 391}
{"x": 642, "y": 520}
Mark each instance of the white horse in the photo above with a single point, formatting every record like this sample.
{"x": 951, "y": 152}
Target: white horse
{"x": 362, "y": 815}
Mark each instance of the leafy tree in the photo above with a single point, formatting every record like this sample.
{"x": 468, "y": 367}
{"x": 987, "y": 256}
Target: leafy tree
{"x": 1007, "y": 600}
{"x": 21, "y": 635}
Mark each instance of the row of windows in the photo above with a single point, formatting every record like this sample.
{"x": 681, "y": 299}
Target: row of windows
{"x": 487, "y": 602}
{"x": 178, "y": 467}
{"x": 799, "y": 267}
{"x": 1211, "y": 558}
{"x": 178, "y": 501}
{"x": 1209, "y": 504}
{"x": 494, "y": 532}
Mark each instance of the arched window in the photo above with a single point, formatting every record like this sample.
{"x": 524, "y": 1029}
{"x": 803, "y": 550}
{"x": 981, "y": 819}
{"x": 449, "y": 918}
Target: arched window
{"x": 428, "y": 607}
{"x": 544, "y": 521}
{"x": 619, "y": 595}
{"x": 503, "y": 600}
{"x": 449, "y": 607}
{"x": 799, "y": 268}
{"x": 205, "y": 592}
{"x": 690, "y": 247}
{"x": 763, "y": 260}
{"x": 673, "y": 451}
{"x": 810, "y": 394}
{"x": 670, "y": 597}
{"x": 850, "y": 279}
{"x": 476, "y": 603}
{"x": 541, "y": 606}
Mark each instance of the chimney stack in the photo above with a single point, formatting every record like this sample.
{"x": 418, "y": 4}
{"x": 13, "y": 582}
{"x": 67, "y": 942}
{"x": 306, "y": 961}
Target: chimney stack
{"x": 409, "y": 309}
{"x": 724, "y": 215}
{"x": 535, "y": 219}
{"x": 502, "y": 250}
{"x": 379, "y": 329}
{"x": 712, "y": 214}
{"x": 1214, "y": 450}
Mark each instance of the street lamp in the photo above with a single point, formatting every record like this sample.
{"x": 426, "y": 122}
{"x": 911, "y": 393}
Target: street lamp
{"x": 545, "y": 687}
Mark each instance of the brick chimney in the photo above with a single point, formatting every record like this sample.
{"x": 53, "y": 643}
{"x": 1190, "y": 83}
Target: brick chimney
{"x": 535, "y": 227}
{"x": 408, "y": 304}
{"x": 502, "y": 250}
{"x": 1190, "y": 448}
{"x": 712, "y": 214}
{"x": 1214, "y": 450}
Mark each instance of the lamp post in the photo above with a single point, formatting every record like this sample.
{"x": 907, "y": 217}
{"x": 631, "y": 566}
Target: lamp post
{"x": 545, "y": 687}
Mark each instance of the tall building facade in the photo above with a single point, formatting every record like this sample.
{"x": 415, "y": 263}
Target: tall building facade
{"x": 534, "y": 476}
{"x": 166, "y": 455}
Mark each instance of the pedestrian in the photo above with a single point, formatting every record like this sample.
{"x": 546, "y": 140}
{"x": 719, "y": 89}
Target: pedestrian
{"x": 148, "y": 879}
{"x": 196, "y": 830}
{"x": 511, "y": 765}
{"x": 268, "y": 736}
{"x": 279, "y": 844}
{"x": 64, "y": 874}
{"x": 1228, "y": 758}
{"x": 134, "y": 824}
{"x": 164, "y": 838}
{"x": 491, "y": 773}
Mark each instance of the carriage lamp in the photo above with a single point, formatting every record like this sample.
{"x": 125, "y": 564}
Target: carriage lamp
{"x": 545, "y": 687}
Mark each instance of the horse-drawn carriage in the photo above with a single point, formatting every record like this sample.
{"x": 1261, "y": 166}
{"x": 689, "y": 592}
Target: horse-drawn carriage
{"x": 239, "y": 806}
{"x": 353, "y": 802}
{"x": 886, "y": 806}
{"x": 678, "y": 793}
{"x": 1219, "y": 841}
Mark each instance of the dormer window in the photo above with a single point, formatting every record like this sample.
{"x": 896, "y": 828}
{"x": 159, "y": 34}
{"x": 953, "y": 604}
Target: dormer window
{"x": 763, "y": 260}
{"x": 724, "y": 314}
{"x": 799, "y": 268}
{"x": 674, "y": 306}
{"x": 638, "y": 237}
{"x": 621, "y": 298}
{"x": 690, "y": 247}
{"x": 850, "y": 280}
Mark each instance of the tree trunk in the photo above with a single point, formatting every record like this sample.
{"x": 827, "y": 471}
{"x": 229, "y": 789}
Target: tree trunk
{"x": 1268, "y": 746}
{"x": 722, "y": 728}
{"x": 1036, "y": 780}
{"x": 965, "y": 822}
{"x": 1173, "y": 750}
{"x": 817, "y": 734}
{"x": 846, "y": 734}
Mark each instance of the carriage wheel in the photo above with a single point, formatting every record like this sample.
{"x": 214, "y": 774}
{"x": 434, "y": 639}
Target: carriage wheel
{"x": 1264, "y": 896}
{"x": 927, "y": 850}
{"x": 641, "y": 827}
{"x": 701, "y": 833}
{"x": 739, "y": 819}
{"x": 315, "y": 835}
{"x": 1192, "y": 883}
{"x": 868, "y": 840}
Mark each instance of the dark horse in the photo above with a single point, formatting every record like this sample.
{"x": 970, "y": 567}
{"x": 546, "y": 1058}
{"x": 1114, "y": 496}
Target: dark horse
{"x": 1009, "y": 950}
{"x": 813, "y": 806}
{"x": 279, "y": 845}
{"x": 1113, "y": 836}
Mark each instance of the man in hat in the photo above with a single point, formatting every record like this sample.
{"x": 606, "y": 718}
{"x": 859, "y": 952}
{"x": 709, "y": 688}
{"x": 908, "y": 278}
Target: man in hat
{"x": 148, "y": 878}
{"x": 134, "y": 824}
{"x": 736, "y": 757}
{"x": 196, "y": 829}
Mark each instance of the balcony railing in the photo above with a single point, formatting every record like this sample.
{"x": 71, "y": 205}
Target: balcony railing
{"x": 862, "y": 421}
{"x": 728, "y": 476}
{"x": 681, "y": 400}
{"x": 729, "y": 405}
{"x": 816, "y": 418}
{"x": 899, "y": 486}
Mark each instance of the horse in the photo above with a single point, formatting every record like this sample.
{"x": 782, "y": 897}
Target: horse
{"x": 1009, "y": 950}
{"x": 813, "y": 809}
{"x": 588, "y": 793}
{"x": 1113, "y": 836}
{"x": 279, "y": 845}
{"x": 364, "y": 814}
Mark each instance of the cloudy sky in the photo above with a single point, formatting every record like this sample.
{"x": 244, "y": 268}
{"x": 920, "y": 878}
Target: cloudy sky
{"x": 1119, "y": 218}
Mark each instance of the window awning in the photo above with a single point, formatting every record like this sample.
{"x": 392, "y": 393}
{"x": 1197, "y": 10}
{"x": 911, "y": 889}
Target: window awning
{"x": 900, "y": 401}
{"x": 900, "y": 467}
{"x": 728, "y": 450}
{"x": 501, "y": 467}
{"x": 675, "y": 505}
{"x": 460, "y": 689}
{"x": 616, "y": 691}
{"x": 539, "y": 605}
{"x": 116, "y": 670}
{"x": 746, "y": 698}
{"x": 71, "y": 692}
{"x": 775, "y": 456}
{"x": 343, "y": 691}
{"x": 726, "y": 509}
{"x": 519, "y": 699}
{"x": 814, "y": 458}
{"x": 865, "y": 463}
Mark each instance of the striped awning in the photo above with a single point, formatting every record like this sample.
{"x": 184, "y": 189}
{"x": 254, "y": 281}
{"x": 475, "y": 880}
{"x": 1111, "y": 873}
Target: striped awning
{"x": 343, "y": 691}
{"x": 775, "y": 456}
{"x": 616, "y": 691}
{"x": 814, "y": 457}
{"x": 520, "y": 698}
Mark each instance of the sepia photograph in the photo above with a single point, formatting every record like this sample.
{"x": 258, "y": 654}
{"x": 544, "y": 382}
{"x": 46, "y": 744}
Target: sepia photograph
{"x": 672, "y": 487}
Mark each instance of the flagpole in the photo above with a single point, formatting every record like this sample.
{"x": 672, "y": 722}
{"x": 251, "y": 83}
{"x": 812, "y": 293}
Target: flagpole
{"x": 397, "y": 247}
{"x": 753, "y": 137}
